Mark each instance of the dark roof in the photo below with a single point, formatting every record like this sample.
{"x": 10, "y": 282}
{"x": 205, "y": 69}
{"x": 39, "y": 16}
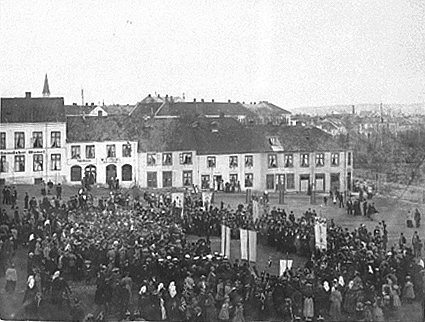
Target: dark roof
{"x": 32, "y": 110}
{"x": 118, "y": 109}
{"x": 74, "y": 110}
{"x": 204, "y": 108}
{"x": 301, "y": 138}
{"x": 265, "y": 108}
{"x": 204, "y": 135}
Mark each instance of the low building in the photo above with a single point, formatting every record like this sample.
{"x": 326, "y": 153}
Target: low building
{"x": 32, "y": 139}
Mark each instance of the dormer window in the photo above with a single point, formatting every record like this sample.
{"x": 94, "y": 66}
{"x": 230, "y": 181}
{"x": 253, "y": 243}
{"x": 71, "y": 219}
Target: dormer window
{"x": 273, "y": 140}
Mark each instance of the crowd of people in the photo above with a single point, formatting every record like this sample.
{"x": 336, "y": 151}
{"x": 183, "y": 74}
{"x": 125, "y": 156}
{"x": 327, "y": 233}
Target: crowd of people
{"x": 137, "y": 253}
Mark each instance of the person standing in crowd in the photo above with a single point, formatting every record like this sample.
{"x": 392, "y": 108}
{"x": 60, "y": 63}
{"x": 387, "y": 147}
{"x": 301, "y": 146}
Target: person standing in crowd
{"x": 59, "y": 191}
{"x": 417, "y": 218}
{"x": 11, "y": 278}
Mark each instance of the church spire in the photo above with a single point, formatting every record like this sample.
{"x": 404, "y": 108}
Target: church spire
{"x": 46, "y": 90}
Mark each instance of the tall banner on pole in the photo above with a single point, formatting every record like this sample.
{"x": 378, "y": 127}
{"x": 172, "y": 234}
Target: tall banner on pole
{"x": 255, "y": 210}
{"x": 320, "y": 231}
{"x": 252, "y": 238}
{"x": 225, "y": 240}
{"x": 248, "y": 245}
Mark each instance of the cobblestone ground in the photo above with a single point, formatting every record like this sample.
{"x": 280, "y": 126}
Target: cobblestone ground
{"x": 391, "y": 210}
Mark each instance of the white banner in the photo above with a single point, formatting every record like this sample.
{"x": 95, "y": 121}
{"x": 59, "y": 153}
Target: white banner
{"x": 252, "y": 245}
{"x": 207, "y": 199}
{"x": 244, "y": 244}
{"x": 225, "y": 241}
{"x": 248, "y": 245}
{"x": 255, "y": 210}
{"x": 284, "y": 265}
{"x": 320, "y": 231}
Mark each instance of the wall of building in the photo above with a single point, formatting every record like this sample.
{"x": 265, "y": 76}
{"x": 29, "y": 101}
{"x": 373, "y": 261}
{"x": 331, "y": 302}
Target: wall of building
{"x": 176, "y": 168}
{"x": 33, "y": 173}
{"x": 101, "y": 161}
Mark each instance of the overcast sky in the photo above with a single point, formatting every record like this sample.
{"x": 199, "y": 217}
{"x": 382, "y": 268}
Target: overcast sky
{"x": 290, "y": 52}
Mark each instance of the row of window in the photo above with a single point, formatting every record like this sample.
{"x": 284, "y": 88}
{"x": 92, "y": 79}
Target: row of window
{"x": 36, "y": 140}
{"x": 186, "y": 158}
{"x": 38, "y": 163}
{"x": 111, "y": 151}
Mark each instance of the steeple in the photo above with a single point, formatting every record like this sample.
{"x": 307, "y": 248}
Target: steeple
{"x": 46, "y": 90}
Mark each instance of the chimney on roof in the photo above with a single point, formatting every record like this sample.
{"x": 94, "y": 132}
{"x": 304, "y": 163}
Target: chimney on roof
{"x": 27, "y": 94}
{"x": 202, "y": 100}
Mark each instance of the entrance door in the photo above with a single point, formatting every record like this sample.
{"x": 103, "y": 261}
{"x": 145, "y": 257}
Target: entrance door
{"x": 218, "y": 183}
{"x": 90, "y": 174}
{"x": 320, "y": 182}
{"x": 304, "y": 182}
{"x": 270, "y": 181}
{"x": 111, "y": 172}
{"x": 335, "y": 182}
{"x": 280, "y": 181}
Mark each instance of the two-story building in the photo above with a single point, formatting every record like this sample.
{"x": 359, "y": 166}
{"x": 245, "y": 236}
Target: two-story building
{"x": 32, "y": 139}
{"x": 99, "y": 149}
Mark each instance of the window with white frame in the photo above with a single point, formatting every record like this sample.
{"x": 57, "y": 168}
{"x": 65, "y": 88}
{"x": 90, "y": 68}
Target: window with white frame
{"x": 19, "y": 163}
{"x": 75, "y": 152}
{"x": 2, "y": 140}
{"x": 335, "y": 159}
{"x": 233, "y": 161}
{"x": 289, "y": 160}
{"x": 55, "y": 162}
{"x": 320, "y": 159}
{"x": 186, "y": 158}
{"x": 55, "y": 139}
{"x": 211, "y": 162}
{"x": 305, "y": 162}
{"x": 37, "y": 139}
{"x": 249, "y": 161}
{"x": 37, "y": 164}
{"x": 272, "y": 160}
{"x": 90, "y": 154}
{"x": 111, "y": 151}
{"x": 187, "y": 178}
{"x": 151, "y": 159}
{"x": 19, "y": 140}
{"x": 167, "y": 159}
{"x": 126, "y": 150}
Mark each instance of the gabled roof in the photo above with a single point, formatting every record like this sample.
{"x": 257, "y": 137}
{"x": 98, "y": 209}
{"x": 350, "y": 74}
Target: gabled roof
{"x": 302, "y": 138}
{"x": 32, "y": 110}
{"x": 145, "y": 109}
{"x": 265, "y": 108}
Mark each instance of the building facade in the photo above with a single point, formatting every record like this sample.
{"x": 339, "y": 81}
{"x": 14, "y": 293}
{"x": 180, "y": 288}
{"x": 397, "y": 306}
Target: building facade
{"x": 32, "y": 140}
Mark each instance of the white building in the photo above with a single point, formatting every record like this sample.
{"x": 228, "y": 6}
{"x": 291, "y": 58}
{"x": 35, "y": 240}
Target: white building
{"x": 32, "y": 139}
